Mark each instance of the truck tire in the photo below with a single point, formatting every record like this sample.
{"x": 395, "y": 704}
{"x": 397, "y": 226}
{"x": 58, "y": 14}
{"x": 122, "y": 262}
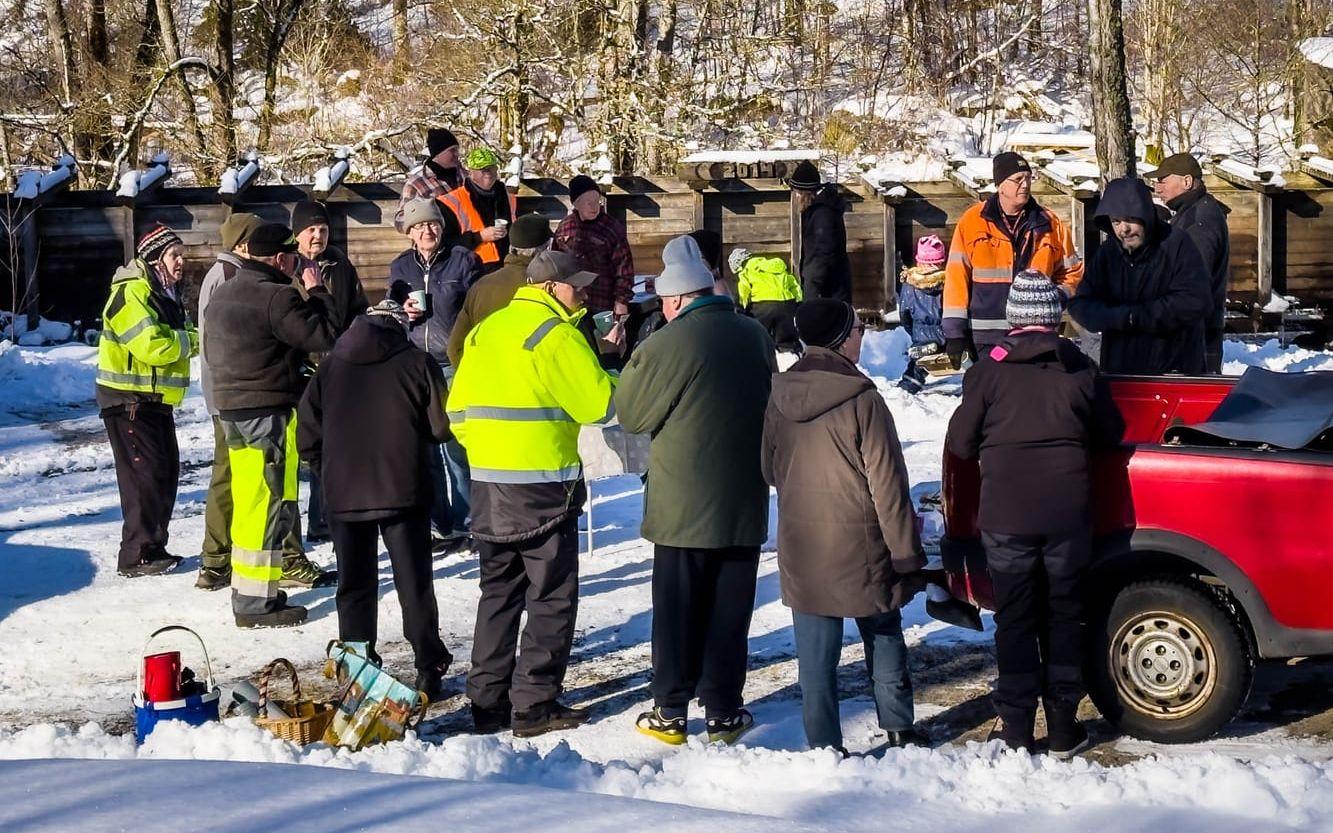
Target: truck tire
{"x": 1170, "y": 663}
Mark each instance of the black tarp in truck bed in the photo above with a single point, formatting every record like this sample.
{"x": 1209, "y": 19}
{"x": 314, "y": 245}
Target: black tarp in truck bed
{"x": 1283, "y": 410}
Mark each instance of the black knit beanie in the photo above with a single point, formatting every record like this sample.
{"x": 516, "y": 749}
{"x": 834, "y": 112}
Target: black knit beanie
{"x": 1006, "y": 165}
{"x": 824, "y": 322}
{"x": 308, "y": 213}
{"x": 439, "y": 139}
{"x": 805, "y": 177}
{"x": 580, "y": 185}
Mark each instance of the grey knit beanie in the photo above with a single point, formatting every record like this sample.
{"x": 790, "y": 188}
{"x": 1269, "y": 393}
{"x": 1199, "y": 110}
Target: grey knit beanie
{"x": 1034, "y": 301}
{"x": 391, "y": 310}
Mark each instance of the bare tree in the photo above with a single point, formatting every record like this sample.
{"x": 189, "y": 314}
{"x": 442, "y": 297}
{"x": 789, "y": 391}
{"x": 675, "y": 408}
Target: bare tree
{"x": 1111, "y": 123}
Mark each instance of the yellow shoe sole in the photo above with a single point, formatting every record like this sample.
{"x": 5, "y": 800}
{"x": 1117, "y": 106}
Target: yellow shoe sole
{"x": 666, "y": 737}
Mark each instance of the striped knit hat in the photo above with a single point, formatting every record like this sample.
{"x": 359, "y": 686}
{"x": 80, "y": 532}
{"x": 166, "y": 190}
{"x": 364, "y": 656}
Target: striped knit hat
{"x": 155, "y": 243}
{"x": 1034, "y": 301}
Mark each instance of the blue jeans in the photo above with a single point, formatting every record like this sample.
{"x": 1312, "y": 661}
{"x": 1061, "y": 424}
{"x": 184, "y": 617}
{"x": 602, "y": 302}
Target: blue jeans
{"x": 818, "y": 649}
{"x": 460, "y": 475}
{"x": 441, "y": 513}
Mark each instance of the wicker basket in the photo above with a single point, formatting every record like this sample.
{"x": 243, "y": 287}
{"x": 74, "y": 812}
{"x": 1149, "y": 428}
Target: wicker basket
{"x": 308, "y": 718}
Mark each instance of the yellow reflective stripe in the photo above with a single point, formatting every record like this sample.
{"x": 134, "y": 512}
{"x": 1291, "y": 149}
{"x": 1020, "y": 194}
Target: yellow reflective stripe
{"x": 262, "y": 572}
{"x": 291, "y": 462}
{"x": 129, "y": 334}
{"x": 164, "y": 380}
{"x": 183, "y": 341}
{"x": 526, "y": 476}
{"x": 510, "y": 414}
{"x": 540, "y": 333}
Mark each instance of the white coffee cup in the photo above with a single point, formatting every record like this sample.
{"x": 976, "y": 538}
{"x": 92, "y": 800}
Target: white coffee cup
{"x": 502, "y": 225}
{"x": 418, "y": 297}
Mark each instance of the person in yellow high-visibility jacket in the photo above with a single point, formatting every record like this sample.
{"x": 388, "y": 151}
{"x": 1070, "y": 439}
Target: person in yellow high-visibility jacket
{"x": 527, "y": 381}
{"x": 143, "y": 369}
{"x": 767, "y": 290}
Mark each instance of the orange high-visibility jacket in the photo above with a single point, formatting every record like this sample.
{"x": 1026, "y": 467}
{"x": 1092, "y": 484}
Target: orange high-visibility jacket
{"x": 981, "y": 268}
{"x": 459, "y": 201}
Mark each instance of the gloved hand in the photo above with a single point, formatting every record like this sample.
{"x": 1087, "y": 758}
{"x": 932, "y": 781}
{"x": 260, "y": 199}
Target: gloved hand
{"x": 955, "y": 348}
{"x": 905, "y": 587}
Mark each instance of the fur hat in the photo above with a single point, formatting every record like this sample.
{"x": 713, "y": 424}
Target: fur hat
{"x": 1034, "y": 301}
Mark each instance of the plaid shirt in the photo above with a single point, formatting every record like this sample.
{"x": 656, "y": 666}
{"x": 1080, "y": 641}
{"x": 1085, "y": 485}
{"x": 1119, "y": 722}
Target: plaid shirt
{"x": 603, "y": 248}
{"x": 424, "y": 183}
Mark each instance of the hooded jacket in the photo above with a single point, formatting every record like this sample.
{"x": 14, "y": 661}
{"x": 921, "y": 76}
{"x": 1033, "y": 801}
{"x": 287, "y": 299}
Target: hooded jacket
{"x": 260, "y": 331}
{"x": 1149, "y": 305}
{"x": 1202, "y": 217}
{"x": 1033, "y": 407}
{"x": 447, "y": 279}
{"x": 920, "y": 306}
{"x": 826, "y": 271}
{"x": 846, "y": 527}
{"x": 369, "y": 419}
{"x": 223, "y": 270}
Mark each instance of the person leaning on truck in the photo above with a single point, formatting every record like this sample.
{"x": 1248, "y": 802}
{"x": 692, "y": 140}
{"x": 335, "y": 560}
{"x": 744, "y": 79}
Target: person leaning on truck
{"x": 1035, "y": 403}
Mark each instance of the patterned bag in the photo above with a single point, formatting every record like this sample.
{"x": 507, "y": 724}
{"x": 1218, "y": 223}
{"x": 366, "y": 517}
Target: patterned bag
{"x": 372, "y": 707}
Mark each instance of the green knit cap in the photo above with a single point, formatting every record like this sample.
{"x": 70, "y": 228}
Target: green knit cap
{"x": 480, "y": 158}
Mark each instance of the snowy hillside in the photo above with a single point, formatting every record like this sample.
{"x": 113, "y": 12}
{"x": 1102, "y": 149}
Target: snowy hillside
{"x": 72, "y": 631}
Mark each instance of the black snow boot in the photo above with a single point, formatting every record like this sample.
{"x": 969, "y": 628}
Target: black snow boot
{"x": 285, "y": 616}
{"x": 488, "y": 721}
{"x": 547, "y": 717}
{"x": 431, "y": 681}
{"x": 907, "y": 737}
{"x": 1013, "y": 728}
{"x": 155, "y": 565}
{"x": 1065, "y": 736}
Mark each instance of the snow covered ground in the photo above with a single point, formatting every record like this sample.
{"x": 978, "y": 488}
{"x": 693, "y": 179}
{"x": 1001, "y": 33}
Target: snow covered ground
{"x": 71, "y": 632}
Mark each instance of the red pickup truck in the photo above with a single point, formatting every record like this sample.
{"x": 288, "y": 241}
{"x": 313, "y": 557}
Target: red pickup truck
{"x": 1211, "y": 553}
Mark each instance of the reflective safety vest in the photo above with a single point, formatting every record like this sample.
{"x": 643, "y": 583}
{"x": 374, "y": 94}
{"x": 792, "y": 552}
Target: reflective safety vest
{"x": 766, "y": 279}
{"x": 459, "y": 201}
{"x": 526, "y": 382}
{"x": 139, "y": 350}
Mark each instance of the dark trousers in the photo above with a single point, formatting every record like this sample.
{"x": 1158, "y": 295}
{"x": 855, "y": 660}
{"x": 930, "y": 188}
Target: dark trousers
{"x": 148, "y": 467}
{"x": 1040, "y": 618}
{"x": 539, "y": 575}
{"x": 316, "y": 524}
{"x": 1212, "y": 349}
{"x": 779, "y": 318}
{"x": 407, "y": 537}
{"x": 702, "y": 603}
{"x": 216, "y": 549}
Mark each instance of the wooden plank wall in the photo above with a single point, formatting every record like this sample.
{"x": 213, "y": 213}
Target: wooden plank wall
{"x": 83, "y": 233}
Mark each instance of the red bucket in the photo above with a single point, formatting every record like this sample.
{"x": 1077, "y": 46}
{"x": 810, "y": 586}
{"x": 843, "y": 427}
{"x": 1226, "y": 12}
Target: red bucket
{"x": 162, "y": 677}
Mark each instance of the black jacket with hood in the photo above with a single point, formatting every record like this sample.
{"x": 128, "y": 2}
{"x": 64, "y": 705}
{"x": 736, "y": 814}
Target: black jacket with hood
{"x": 369, "y": 419}
{"x": 1033, "y": 408}
{"x": 826, "y": 271}
{"x": 1204, "y": 219}
{"x": 1150, "y": 305}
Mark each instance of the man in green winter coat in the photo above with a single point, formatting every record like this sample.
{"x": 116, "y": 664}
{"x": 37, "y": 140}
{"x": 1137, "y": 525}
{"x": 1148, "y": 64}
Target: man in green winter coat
{"x": 699, "y": 386}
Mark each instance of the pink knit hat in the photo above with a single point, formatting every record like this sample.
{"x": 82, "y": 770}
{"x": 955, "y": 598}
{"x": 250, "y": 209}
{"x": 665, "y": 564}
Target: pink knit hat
{"x": 930, "y": 251}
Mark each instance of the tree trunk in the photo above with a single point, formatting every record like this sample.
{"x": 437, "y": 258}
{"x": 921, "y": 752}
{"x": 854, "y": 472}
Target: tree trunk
{"x": 402, "y": 47}
{"x": 284, "y": 16}
{"x": 1111, "y": 125}
{"x": 58, "y": 27}
{"x": 166, "y": 18}
{"x": 226, "y": 80}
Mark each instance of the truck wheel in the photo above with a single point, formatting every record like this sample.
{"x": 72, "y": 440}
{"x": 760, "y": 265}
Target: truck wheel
{"x": 1171, "y": 664}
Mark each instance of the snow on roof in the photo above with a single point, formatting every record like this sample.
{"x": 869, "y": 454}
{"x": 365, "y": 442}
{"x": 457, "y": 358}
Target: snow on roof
{"x": 974, "y": 172}
{"x": 1262, "y": 175}
{"x": 1074, "y": 173}
{"x": 1318, "y": 51}
{"x": 751, "y": 157}
{"x": 1322, "y": 164}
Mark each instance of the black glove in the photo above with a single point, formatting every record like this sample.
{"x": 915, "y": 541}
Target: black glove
{"x": 955, "y": 348}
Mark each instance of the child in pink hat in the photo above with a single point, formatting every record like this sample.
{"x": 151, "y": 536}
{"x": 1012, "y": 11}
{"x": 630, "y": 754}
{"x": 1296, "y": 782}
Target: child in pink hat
{"x": 920, "y": 305}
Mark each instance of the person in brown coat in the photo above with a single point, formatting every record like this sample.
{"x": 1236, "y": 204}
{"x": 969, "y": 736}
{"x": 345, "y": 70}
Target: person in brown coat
{"x": 848, "y": 544}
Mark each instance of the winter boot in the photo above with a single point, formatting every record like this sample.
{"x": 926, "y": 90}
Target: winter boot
{"x": 155, "y": 565}
{"x": 299, "y": 571}
{"x": 655, "y": 724}
{"x": 213, "y": 578}
{"x": 1013, "y": 728}
{"x": 488, "y": 721}
{"x": 907, "y": 737}
{"x": 450, "y": 544}
{"x": 547, "y": 717}
{"x": 1065, "y": 736}
{"x": 285, "y": 616}
{"x": 431, "y": 681}
{"x": 730, "y": 728}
